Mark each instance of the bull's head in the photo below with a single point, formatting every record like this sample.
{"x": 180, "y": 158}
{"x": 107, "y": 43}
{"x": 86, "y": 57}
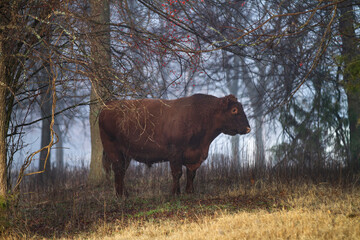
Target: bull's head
{"x": 234, "y": 118}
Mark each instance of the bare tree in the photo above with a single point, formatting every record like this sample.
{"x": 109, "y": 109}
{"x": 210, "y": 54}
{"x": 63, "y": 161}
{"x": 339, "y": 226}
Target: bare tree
{"x": 46, "y": 108}
{"x": 100, "y": 80}
{"x": 3, "y": 121}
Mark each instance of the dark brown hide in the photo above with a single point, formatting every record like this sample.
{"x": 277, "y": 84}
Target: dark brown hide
{"x": 179, "y": 131}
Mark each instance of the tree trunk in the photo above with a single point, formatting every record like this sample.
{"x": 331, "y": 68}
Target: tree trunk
{"x": 256, "y": 92}
{"x": 259, "y": 141}
{"x": 232, "y": 82}
{"x": 257, "y": 103}
{"x": 100, "y": 51}
{"x": 59, "y": 150}
{"x": 96, "y": 175}
{"x": 46, "y": 107}
{"x": 350, "y": 54}
{"x": 3, "y": 123}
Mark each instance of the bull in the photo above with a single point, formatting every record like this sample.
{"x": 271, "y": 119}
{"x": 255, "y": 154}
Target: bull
{"x": 177, "y": 131}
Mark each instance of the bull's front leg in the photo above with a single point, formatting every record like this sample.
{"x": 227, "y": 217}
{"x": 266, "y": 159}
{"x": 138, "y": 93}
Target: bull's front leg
{"x": 190, "y": 175}
{"x": 176, "y": 171}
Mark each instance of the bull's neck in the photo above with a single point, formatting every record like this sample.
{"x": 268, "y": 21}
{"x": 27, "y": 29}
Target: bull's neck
{"x": 210, "y": 135}
{"x": 210, "y": 127}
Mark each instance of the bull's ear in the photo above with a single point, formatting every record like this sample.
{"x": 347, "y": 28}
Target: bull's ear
{"x": 228, "y": 101}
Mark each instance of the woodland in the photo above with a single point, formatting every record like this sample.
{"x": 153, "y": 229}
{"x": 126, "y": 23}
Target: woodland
{"x": 294, "y": 65}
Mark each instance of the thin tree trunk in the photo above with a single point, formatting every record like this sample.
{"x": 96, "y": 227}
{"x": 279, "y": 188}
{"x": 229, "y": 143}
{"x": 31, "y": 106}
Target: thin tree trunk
{"x": 350, "y": 54}
{"x": 45, "y": 83}
{"x": 59, "y": 170}
{"x": 7, "y": 80}
{"x": 257, "y": 103}
{"x": 45, "y": 107}
{"x": 259, "y": 140}
{"x": 96, "y": 175}
{"x": 256, "y": 93}
{"x": 232, "y": 82}
{"x": 3, "y": 127}
{"x": 100, "y": 50}
{"x": 59, "y": 150}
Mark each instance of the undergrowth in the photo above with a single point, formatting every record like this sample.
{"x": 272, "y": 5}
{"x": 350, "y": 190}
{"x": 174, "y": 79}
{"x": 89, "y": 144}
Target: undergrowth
{"x": 72, "y": 209}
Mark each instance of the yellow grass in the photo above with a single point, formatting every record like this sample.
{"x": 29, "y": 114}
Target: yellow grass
{"x": 293, "y": 224}
{"x": 314, "y": 213}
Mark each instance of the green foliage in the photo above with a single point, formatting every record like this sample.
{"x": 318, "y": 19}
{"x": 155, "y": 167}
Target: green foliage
{"x": 351, "y": 73}
{"x": 4, "y": 221}
{"x": 353, "y": 82}
{"x": 3, "y": 203}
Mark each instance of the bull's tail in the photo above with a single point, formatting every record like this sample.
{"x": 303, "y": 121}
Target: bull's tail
{"x": 106, "y": 165}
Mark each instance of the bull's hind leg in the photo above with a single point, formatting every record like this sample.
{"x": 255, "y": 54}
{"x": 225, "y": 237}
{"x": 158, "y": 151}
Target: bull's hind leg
{"x": 120, "y": 168}
{"x": 111, "y": 158}
{"x": 176, "y": 171}
{"x": 190, "y": 175}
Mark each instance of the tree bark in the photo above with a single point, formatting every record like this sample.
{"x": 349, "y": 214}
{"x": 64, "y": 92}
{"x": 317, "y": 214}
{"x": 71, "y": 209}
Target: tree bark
{"x": 3, "y": 123}
{"x": 256, "y": 92}
{"x": 4, "y": 84}
{"x": 350, "y": 54}
{"x": 59, "y": 150}
{"x": 100, "y": 51}
{"x": 257, "y": 103}
{"x": 232, "y": 82}
{"x": 46, "y": 107}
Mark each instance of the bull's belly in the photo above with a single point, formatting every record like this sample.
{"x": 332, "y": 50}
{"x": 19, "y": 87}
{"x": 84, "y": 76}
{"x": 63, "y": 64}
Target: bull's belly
{"x": 153, "y": 152}
{"x": 148, "y": 160}
{"x": 150, "y": 155}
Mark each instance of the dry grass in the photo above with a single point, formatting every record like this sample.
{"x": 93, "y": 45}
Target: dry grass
{"x": 293, "y": 224}
{"x": 315, "y": 212}
{"x": 228, "y": 205}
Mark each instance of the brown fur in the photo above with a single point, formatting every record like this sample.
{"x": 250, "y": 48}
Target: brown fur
{"x": 179, "y": 131}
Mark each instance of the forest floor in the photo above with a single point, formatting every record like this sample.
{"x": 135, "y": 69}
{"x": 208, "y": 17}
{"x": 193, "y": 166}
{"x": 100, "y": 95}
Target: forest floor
{"x": 229, "y": 203}
{"x": 248, "y": 211}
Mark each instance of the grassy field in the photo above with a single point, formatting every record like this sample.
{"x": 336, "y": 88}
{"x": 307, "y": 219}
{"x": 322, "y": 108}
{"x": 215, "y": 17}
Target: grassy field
{"x": 305, "y": 212}
{"x": 244, "y": 210}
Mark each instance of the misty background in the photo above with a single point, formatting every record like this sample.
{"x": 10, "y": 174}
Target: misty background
{"x": 293, "y": 65}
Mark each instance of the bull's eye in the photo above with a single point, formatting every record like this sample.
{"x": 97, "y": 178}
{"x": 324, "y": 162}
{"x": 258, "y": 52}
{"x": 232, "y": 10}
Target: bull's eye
{"x": 234, "y": 111}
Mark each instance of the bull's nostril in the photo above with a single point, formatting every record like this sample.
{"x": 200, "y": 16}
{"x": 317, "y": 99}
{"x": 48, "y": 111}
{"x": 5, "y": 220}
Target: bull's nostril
{"x": 248, "y": 130}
